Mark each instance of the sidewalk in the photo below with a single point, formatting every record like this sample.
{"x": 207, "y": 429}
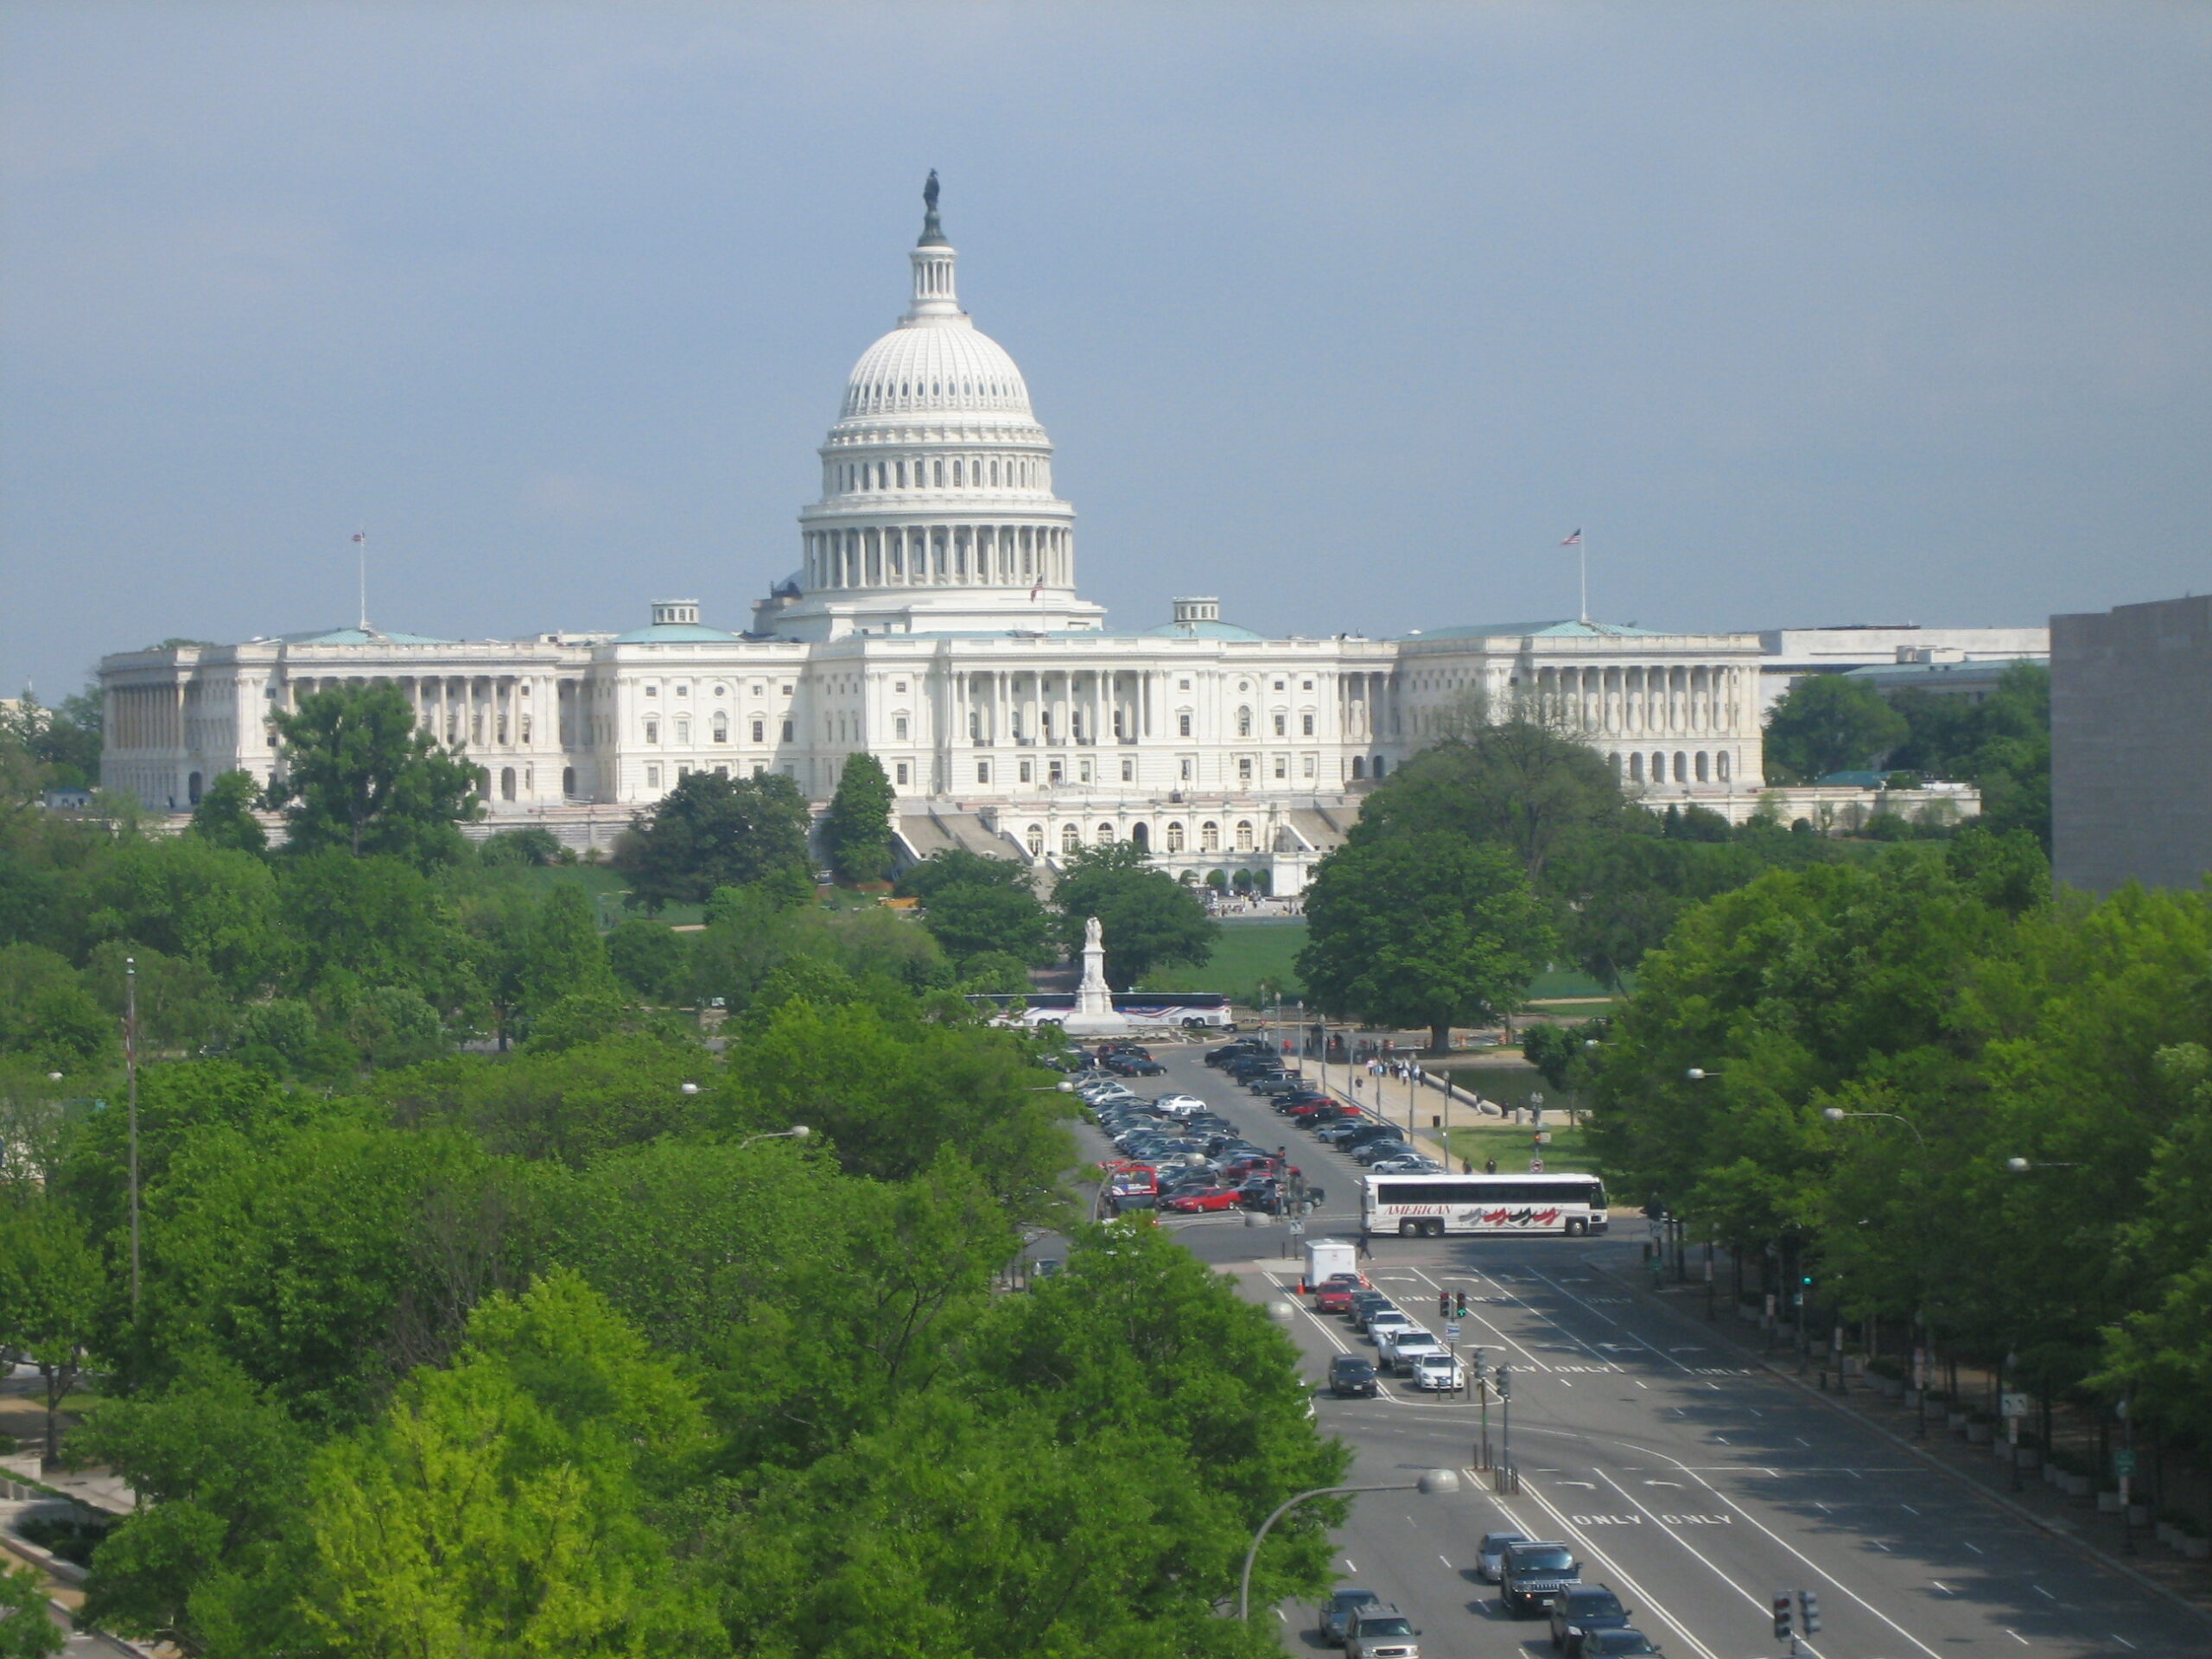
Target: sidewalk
{"x": 2077, "y": 1520}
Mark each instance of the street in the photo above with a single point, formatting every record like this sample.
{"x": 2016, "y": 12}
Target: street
{"x": 1688, "y": 1479}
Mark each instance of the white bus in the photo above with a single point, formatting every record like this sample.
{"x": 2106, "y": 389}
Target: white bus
{"x": 1429, "y": 1206}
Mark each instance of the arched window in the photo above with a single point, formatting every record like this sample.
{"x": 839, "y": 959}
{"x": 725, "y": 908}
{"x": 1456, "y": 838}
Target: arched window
{"x": 1104, "y": 835}
{"x": 1359, "y": 766}
{"x": 1704, "y": 761}
{"x": 1175, "y": 837}
{"x": 1636, "y": 768}
{"x": 1617, "y": 769}
{"x": 1381, "y": 767}
{"x": 955, "y": 472}
{"x": 192, "y": 788}
{"x": 569, "y": 780}
{"x": 1036, "y": 840}
{"x": 1244, "y": 837}
{"x": 506, "y": 783}
{"x": 1681, "y": 767}
{"x": 937, "y": 473}
{"x": 994, "y": 472}
{"x": 1243, "y": 722}
{"x": 1209, "y": 837}
{"x": 1721, "y": 761}
{"x": 1072, "y": 838}
{"x": 1140, "y": 837}
{"x": 722, "y": 726}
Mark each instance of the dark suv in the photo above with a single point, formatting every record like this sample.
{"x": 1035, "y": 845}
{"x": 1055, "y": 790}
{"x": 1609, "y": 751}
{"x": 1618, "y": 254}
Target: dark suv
{"x": 1581, "y": 1608}
{"x": 1533, "y": 1574}
{"x": 1353, "y": 1376}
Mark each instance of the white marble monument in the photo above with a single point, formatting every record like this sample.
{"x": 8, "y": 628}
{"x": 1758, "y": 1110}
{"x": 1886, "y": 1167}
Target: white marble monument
{"x": 1094, "y": 1015}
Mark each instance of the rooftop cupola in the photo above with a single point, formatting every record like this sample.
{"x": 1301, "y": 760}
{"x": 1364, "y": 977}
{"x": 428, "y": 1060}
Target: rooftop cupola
{"x": 933, "y": 259}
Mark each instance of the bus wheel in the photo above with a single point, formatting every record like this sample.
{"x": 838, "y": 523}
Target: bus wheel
{"x": 1436, "y": 1227}
{"x": 1573, "y": 1228}
{"x": 1409, "y": 1229}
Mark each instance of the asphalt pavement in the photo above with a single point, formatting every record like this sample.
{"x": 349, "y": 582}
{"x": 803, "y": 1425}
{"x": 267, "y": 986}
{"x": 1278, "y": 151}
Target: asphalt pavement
{"x": 1697, "y": 1486}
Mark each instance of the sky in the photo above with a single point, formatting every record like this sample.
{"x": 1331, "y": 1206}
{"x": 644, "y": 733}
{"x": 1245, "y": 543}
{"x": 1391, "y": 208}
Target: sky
{"x": 1348, "y": 314}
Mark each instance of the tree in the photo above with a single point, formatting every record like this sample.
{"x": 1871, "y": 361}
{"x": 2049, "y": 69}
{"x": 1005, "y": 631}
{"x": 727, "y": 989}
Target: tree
{"x": 857, "y": 829}
{"x": 27, "y": 1630}
{"x": 977, "y": 921}
{"x": 65, "y": 739}
{"x": 648, "y": 959}
{"x": 375, "y": 920}
{"x": 51, "y": 1286}
{"x": 357, "y": 773}
{"x": 956, "y": 867}
{"x": 1826, "y": 724}
{"x": 189, "y": 897}
{"x": 530, "y": 847}
{"x": 45, "y": 1012}
{"x": 1423, "y": 930}
{"x": 502, "y": 1505}
{"x": 1148, "y": 917}
{"x": 712, "y": 831}
{"x": 563, "y": 956}
{"x": 225, "y": 815}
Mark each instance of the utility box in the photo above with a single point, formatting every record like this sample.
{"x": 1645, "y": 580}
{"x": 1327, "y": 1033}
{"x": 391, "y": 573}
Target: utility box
{"x": 1324, "y": 1256}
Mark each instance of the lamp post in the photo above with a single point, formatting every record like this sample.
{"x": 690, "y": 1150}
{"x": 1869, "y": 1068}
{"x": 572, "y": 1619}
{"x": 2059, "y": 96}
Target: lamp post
{"x": 1837, "y": 1115}
{"x": 1505, "y": 1430}
{"x": 130, "y": 1069}
{"x": 1433, "y": 1482}
{"x": 797, "y": 1132}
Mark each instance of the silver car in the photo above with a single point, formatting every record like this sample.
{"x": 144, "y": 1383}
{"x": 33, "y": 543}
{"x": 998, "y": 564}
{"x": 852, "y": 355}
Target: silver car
{"x": 1489, "y": 1554}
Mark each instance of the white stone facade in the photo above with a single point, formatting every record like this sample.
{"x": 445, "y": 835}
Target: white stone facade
{"x": 935, "y": 622}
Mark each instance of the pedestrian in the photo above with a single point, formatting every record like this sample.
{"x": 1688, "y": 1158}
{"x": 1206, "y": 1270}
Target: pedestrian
{"x": 1466, "y": 1166}
{"x": 1490, "y": 1166}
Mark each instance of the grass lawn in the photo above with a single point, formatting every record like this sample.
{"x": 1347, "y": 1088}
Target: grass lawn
{"x": 1513, "y": 1145}
{"x": 1246, "y": 953}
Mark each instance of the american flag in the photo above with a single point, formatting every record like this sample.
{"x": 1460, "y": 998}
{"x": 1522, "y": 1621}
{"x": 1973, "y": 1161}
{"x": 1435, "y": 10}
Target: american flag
{"x": 1036, "y": 588}
{"x": 1574, "y": 540}
{"x": 360, "y": 535}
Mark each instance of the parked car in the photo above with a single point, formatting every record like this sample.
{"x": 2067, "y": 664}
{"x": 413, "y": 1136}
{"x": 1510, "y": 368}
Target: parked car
{"x": 1364, "y": 1302}
{"x": 1437, "y": 1373}
{"x": 1410, "y": 1163}
{"x": 1354, "y": 1375}
{"x": 1237, "y": 1049}
{"x": 1180, "y": 1105}
{"x": 1380, "y": 1633}
{"x": 1333, "y": 1298}
{"x": 1533, "y": 1574}
{"x": 1383, "y": 1320}
{"x": 1202, "y": 1198}
{"x": 1396, "y": 1350}
{"x": 1581, "y": 1608}
{"x": 1374, "y": 1151}
{"x": 1135, "y": 1065}
{"x": 1490, "y": 1553}
{"x": 1337, "y": 1612}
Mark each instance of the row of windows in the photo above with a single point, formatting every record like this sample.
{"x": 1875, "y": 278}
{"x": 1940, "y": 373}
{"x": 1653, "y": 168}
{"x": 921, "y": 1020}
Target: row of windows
{"x": 1245, "y": 722}
{"x": 717, "y": 729}
{"x": 962, "y": 473}
{"x": 1703, "y": 767}
{"x": 683, "y": 688}
{"x": 879, "y": 391}
{"x": 1246, "y": 836}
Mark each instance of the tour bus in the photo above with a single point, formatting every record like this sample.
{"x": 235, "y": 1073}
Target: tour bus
{"x": 1429, "y": 1206}
{"x": 1193, "y": 1010}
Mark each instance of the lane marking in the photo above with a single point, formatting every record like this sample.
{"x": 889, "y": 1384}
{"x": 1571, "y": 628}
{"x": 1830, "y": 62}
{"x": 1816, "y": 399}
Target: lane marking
{"x": 2017, "y": 1637}
{"x": 1944, "y": 1587}
{"x": 1975, "y": 1548}
{"x": 2124, "y": 1641}
{"x": 2040, "y": 1591}
{"x": 1908, "y": 1508}
{"x": 1611, "y": 1566}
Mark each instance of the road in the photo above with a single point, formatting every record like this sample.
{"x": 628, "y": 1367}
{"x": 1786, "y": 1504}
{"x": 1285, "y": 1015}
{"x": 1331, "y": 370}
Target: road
{"x": 1696, "y": 1485}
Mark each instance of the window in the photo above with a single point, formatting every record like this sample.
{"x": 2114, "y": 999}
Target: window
{"x": 1084, "y": 769}
{"x": 1209, "y": 837}
{"x": 1311, "y": 766}
{"x": 901, "y": 771}
{"x": 898, "y": 727}
{"x": 1028, "y": 771}
{"x": 1307, "y": 727}
{"x": 1072, "y": 839}
{"x": 722, "y": 690}
{"x": 1305, "y": 685}
{"x": 1244, "y": 838}
{"x": 1279, "y": 685}
{"x": 1282, "y": 766}
{"x": 1721, "y": 761}
{"x": 1636, "y": 768}
{"x": 788, "y": 731}
{"x": 759, "y": 731}
{"x": 787, "y": 689}
{"x": 1359, "y": 767}
{"x": 1175, "y": 838}
{"x": 956, "y": 474}
{"x": 1243, "y": 722}
{"x": 722, "y": 769}
{"x": 1702, "y": 759}
{"x": 652, "y": 777}
{"x": 902, "y": 474}
{"x": 1245, "y": 768}
{"x": 983, "y": 772}
{"x": 1282, "y": 725}
{"x": 722, "y": 726}
{"x": 1190, "y": 769}
{"x": 1129, "y": 772}
{"x": 899, "y": 686}
{"x": 1681, "y": 767}
{"x": 937, "y": 473}
{"x": 683, "y": 728}
{"x": 683, "y": 690}
{"x": 1035, "y": 840}
{"x": 1182, "y": 725}
{"x": 652, "y": 731}
{"x": 653, "y": 690}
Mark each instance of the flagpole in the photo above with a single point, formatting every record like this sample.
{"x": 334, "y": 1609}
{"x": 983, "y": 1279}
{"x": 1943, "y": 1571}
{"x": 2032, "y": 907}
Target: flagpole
{"x": 1581, "y": 560}
{"x": 361, "y": 548}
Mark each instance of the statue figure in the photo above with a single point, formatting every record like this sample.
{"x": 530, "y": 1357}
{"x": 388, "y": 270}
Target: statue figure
{"x": 1093, "y": 940}
{"x": 929, "y": 192}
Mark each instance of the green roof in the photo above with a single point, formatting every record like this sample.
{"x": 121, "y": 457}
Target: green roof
{"x": 674, "y": 633}
{"x": 357, "y": 637}
{"x": 1200, "y": 630}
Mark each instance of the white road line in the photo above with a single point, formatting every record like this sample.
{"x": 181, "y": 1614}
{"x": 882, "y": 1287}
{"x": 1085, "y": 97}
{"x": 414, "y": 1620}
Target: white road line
{"x": 2040, "y": 1591}
{"x": 1944, "y": 1587}
{"x": 1639, "y": 1341}
{"x": 2124, "y": 1641}
{"x": 2017, "y": 1637}
{"x": 1613, "y": 1567}
{"x": 1976, "y": 1550}
{"x": 1908, "y": 1508}
{"x": 1816, "y": 1567}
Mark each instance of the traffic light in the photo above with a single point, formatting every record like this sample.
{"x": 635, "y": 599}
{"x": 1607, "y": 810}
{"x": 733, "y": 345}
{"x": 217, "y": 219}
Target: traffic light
{"x": 1504, "y": 1382}
{"x": 1808, "y": 1611}
{"x": 1782, "y": 1617}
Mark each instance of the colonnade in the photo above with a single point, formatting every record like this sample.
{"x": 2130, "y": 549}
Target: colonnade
{"x": 484, "y": 711}
{"x": 1680, "y": 699}
{"x": 146, "y": 716}
{"x": 1034, "y": 706}
{"x": 1363, "y": 706}
{"x": 937, "y": 556}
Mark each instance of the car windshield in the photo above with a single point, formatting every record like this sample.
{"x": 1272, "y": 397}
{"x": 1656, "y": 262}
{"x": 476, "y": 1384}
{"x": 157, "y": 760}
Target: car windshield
{"x": 1388, "y": 1625}
{"x": 1495, "y": 1542}
{"x": 1549, "y": 1558}
{"x": 1351, "y": 1367}
{"x": 1344, "y": 1598}
{"x": 1597, "y": 1603}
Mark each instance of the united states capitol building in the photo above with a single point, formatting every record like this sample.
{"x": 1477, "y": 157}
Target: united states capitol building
{"x": 934, "y": 621}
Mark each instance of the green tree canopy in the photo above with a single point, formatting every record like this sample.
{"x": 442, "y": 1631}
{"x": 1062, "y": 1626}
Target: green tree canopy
{"x": 1829, "y": 723}
{"x": 225, "y": 815}
{"x": 712, "y": 831}
{"x": 190, "y": 896}
{"x": 1423, "y": 930}
{"x": 1148, "y": 917}
{"x": 51, "y": 1285}
{"x": 357, "y": 773}
{"x": 857, "y": 829}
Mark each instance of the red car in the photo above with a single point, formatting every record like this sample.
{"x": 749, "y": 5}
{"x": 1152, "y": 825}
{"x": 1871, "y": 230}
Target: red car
{"x": 1332, "y": 1298}
{"x": 1211, "y": 1197}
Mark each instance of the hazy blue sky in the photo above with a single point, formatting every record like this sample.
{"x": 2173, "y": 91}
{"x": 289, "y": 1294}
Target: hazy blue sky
{"x": 1804, "y": 313}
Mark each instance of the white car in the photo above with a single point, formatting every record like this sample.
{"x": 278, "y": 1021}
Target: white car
{"x": 1180, "y": 1105}
{"x": 1439, "y": 1373}
{"x": 1398, "y": 1350}
{"x": 1489, "y": 1554}
{"x": 1383, "y": 1321}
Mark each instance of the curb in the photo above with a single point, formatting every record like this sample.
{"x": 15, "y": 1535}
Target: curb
{"x": 2019, "y": 1511}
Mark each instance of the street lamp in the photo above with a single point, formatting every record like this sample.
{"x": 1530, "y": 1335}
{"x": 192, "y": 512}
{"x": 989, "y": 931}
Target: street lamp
{"x": 2022, "y": 1166}
{"x": 1433, "y": 1482}
{"x": 797, "y": 1132}
{"x": 1698, "y": 1074}
{"x": 1837, "y": 1115}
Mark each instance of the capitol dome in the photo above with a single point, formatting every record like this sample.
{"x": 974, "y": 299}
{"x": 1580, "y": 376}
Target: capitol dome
{"x": 937, "y": 511}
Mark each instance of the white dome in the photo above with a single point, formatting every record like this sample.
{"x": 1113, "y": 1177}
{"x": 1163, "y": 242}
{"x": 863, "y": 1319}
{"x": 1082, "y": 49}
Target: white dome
{"x": 937, "y": 365}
